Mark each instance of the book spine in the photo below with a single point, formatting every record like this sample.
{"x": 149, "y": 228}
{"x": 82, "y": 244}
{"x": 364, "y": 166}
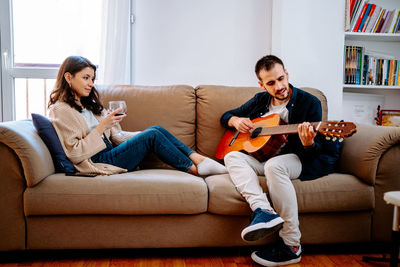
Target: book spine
{"x": 352, "y": 4}
{"x": 360, "y": 17}
{"x": 356, "y": 13}
{"x": 396, "y": 26}
{"x": 373, "y": 19}
{"x": 378, "y": 21}
{"x": 364, "y": 17}
{"x": 368, "y": 18}
{"x": 347, "y": 16}
{"x": 395, "y": 19}
{"x": 360, "y": 64}
{"x": 365, "y": 70}
{"x": 382, "y": 21}
{"x": 374, "y": 70}
{"x": 388, "y": 21}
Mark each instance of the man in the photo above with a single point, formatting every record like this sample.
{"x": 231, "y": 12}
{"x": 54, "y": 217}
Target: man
{"x": 306, "y": 155}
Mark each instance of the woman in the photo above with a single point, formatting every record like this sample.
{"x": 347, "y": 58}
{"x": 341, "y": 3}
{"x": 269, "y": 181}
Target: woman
{"x": 94, "y": 143}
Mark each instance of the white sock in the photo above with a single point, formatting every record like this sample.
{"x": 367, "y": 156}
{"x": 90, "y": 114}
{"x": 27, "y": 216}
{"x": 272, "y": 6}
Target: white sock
{"x": 209, "y": 166}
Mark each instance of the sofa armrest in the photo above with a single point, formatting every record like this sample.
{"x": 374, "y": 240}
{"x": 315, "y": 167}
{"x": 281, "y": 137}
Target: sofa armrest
{"x": 363, "y": 151}
{"x": 12, "y": 186}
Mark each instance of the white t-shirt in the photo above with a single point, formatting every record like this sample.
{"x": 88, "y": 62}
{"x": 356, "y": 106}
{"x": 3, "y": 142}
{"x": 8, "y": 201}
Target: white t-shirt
{"x": 280, "y": 109}
{"x": 91, "y": 120}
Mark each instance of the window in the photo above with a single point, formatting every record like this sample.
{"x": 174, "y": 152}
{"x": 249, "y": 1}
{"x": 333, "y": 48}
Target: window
{"x": 36, "y": 36}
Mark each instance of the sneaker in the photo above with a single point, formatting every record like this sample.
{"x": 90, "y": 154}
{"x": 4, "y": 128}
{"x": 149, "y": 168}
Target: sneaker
{"x": 280, "y": 254}
{"x": 262, "y": 224}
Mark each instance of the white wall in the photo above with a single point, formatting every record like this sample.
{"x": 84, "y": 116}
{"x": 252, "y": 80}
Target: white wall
{"x": 199, "y": 42}
{"x": 308, "y": 36}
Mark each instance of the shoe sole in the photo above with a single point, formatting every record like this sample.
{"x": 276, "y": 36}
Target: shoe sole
{"x": 263, "y": 262}
{"x": 260, "y": 230}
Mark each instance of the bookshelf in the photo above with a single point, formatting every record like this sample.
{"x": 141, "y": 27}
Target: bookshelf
{"x": 386, "y": 44}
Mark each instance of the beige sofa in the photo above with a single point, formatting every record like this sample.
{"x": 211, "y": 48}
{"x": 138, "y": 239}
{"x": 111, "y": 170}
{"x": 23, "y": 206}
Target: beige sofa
{"x": 160, "y": 207}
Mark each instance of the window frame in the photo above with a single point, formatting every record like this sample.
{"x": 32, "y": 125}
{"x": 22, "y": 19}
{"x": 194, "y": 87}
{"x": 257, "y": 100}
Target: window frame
{"x": 9, "y": 72}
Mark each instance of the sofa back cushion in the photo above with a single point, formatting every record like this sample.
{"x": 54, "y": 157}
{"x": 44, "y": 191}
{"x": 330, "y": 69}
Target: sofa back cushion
{"x": 213, "y": 101}
{"x": 172, "y": 107}
{"x": 22, "y": 137}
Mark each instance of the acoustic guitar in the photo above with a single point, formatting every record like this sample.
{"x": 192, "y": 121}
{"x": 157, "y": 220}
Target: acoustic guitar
{"x": 268, "y": 136}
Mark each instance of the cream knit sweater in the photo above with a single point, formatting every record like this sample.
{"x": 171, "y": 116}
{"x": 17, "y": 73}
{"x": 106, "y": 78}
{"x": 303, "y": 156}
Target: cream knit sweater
{"x": 79, "y": 143}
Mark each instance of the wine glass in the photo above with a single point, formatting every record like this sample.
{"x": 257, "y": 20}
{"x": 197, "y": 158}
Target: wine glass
{"x": 113, "y": 105}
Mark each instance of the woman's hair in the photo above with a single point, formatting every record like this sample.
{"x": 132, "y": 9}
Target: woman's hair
{"x": 63, "y": 92}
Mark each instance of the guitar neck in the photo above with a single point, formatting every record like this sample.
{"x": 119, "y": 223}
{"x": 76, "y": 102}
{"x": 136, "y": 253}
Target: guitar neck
{"x": 285, "y": 129}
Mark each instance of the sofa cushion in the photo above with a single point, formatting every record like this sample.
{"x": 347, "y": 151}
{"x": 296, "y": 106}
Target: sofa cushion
{"x": 331, "y": 193}
{"x": 24, "y": 140}
{"x": 49, "y": 136}
{"x": 139, "y": 192}
{"x": 212, "y": 102}
{"x": 173, "y": 107}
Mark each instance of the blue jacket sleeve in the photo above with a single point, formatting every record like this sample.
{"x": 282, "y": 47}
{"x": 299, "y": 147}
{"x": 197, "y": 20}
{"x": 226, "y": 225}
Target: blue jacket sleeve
{"x": 241, "y": 111}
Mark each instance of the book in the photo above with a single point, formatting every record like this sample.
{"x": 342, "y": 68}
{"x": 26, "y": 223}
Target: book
{"x": 387, "y": 22}
{"x": 368, "y": 17}
{"x": 373, "y": 19}
{"x": 355, "y": 13}
{"x": 396, "y": 27}
{"x": 382, "y": 21}
{"x": 375, "y": 27}
{"x": 393, "y": 22}
{"x": 360, "y": 16}
{"x": 366, "y": 13}
{"x": 351, "y": 5}
{"x": 347, "y": 16}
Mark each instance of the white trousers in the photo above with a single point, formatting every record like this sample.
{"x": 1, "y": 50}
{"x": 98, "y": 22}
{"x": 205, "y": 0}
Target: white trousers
{"x": 279, "y": 171}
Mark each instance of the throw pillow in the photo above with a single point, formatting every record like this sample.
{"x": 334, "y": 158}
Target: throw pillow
{"x": 49, "y": 136}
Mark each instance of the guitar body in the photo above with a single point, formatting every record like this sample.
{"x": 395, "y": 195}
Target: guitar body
{"x": 268, "y": 136}
{"x": 261, "y": 147}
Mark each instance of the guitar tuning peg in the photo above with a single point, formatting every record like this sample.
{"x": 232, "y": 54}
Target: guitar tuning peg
{"x": 334, "y": 138}
{"x": 327, "y": 138}
{"x": 341, "y": 140}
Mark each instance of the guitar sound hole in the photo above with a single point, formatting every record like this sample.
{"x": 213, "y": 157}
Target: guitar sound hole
{"x": 256, "y": 132}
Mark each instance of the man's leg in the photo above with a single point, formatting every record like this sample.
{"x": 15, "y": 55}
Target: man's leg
{"x": 244, "y": 170}
{"x": 279, "y": 171}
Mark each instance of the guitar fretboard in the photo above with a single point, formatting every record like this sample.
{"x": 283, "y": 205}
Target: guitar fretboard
{"x": 284, "y": 129}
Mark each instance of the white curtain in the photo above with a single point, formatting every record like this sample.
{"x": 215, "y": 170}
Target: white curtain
{"x": 115, "y": 58}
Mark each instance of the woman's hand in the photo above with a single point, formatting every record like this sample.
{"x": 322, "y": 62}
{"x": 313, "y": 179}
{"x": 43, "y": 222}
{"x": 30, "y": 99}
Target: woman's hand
{"x": 243, "y": 125}
{"x": 306, "y": 133}
{"x": 110, "y": 120}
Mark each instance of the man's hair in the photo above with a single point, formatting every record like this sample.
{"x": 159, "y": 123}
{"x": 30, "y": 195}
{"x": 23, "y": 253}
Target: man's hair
{"x": 267, "y": 63}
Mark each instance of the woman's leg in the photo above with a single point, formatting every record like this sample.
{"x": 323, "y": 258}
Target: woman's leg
{"x": 129, "y": 154}
{"x": 203, "y": 165}
{"x": 175, "y": 141}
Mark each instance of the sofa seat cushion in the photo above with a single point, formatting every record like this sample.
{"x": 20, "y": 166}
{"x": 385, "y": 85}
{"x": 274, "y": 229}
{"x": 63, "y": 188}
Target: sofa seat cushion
{"x": 332, "y": 193}
{"x": 139, "y": 192}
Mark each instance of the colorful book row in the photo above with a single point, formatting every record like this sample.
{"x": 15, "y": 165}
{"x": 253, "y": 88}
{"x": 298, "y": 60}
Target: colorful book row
{"x": 363, "y": 68}
{"x": 362, "y": 16}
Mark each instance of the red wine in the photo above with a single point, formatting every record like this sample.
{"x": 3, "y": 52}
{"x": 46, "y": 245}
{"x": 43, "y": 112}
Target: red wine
{"x": 119, "y": 114}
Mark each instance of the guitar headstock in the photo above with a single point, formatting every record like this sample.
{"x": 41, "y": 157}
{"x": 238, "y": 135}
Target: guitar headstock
{"x": 337, "y": 129}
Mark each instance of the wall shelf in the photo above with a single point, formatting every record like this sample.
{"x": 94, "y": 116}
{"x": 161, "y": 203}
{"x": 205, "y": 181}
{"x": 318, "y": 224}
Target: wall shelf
{"x": 385, "y": 87}
{"x": 378, "y": 37}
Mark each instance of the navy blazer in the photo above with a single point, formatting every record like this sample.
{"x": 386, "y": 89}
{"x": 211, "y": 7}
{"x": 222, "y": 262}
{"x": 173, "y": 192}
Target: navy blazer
{"x": 318, "y": 160}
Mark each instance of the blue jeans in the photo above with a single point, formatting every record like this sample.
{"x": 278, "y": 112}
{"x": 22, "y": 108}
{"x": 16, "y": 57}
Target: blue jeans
{"x": 155, "y": 139}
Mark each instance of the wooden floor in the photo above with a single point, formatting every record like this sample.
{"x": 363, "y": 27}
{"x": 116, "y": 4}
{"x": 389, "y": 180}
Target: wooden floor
{"x": 228, "y": 257}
